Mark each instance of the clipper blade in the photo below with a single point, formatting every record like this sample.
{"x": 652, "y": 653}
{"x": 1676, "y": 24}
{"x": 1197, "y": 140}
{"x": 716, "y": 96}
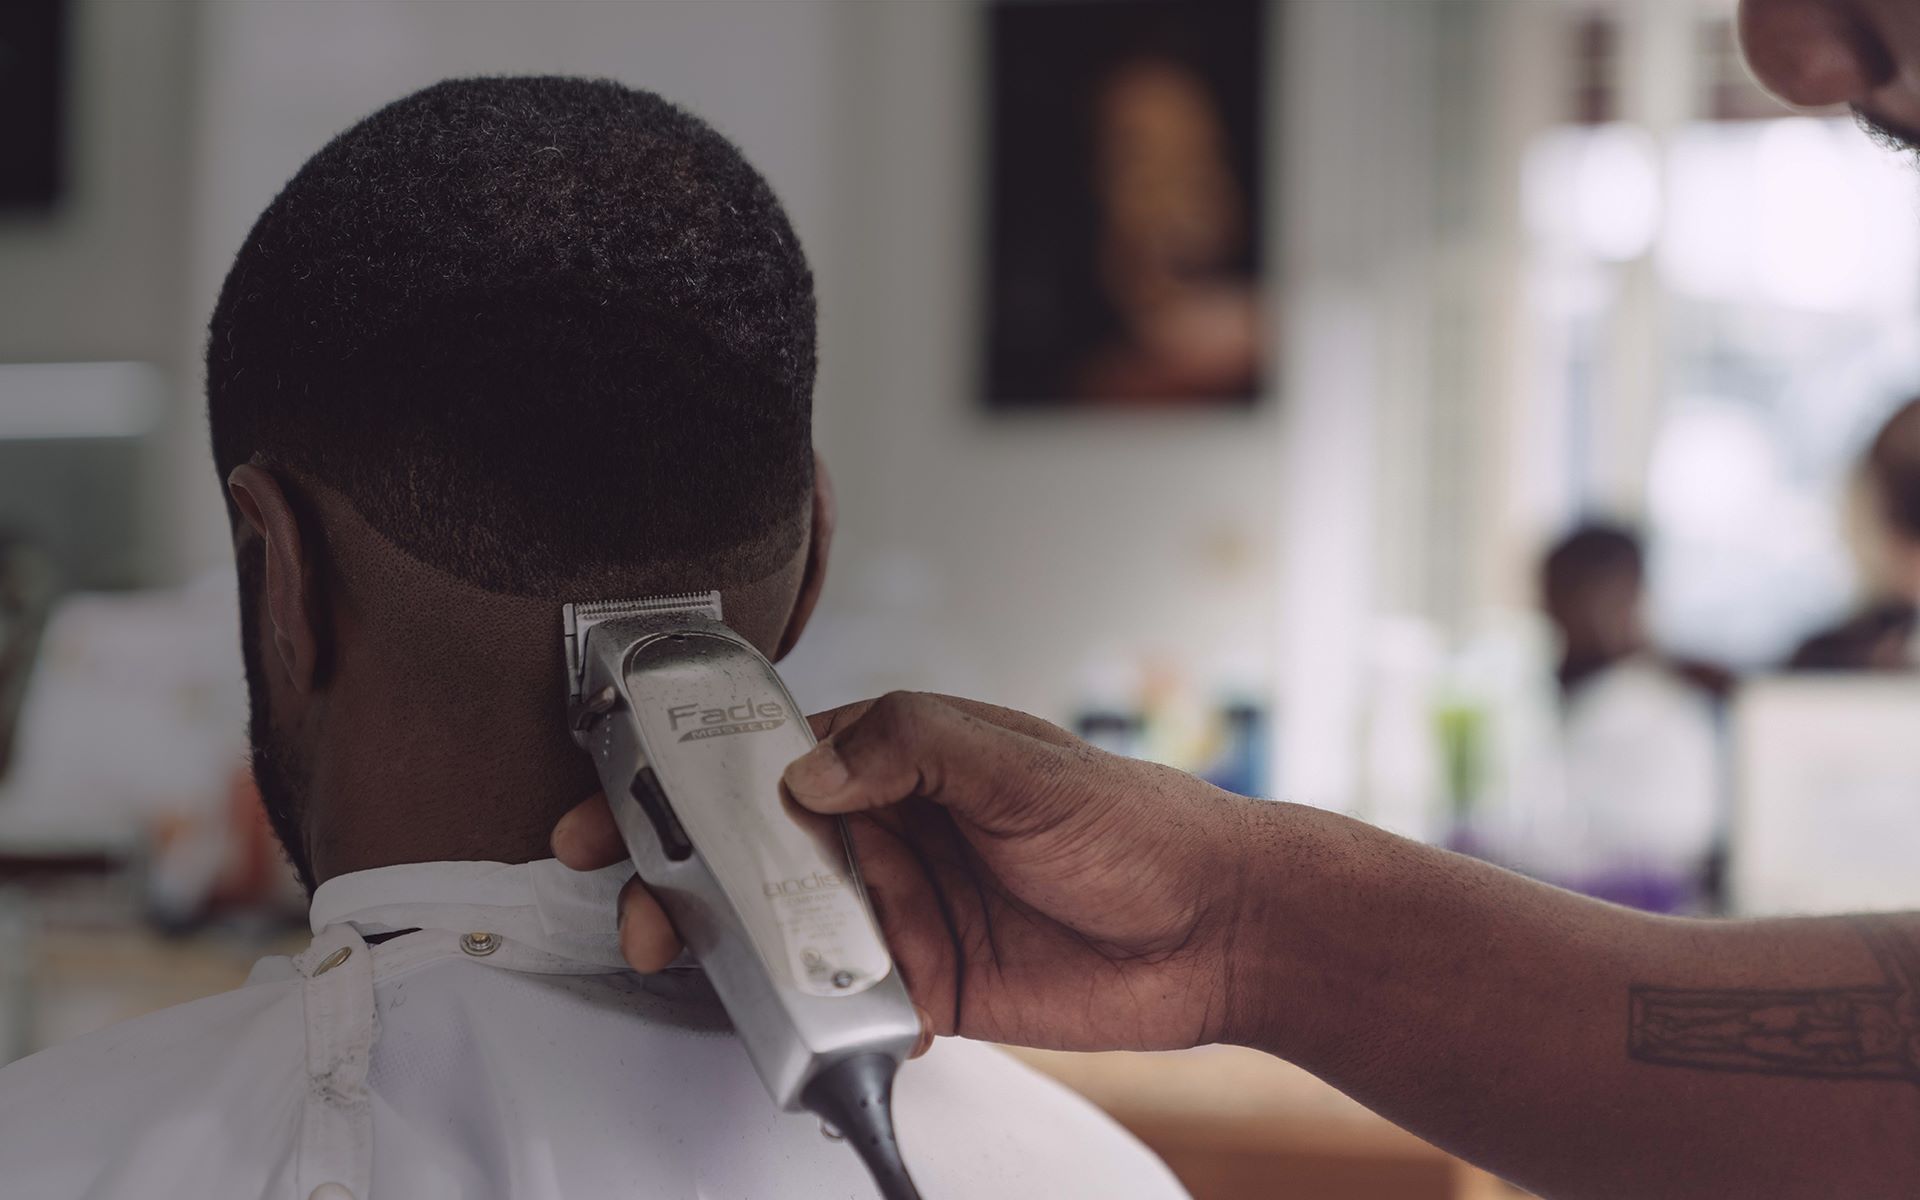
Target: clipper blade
{"x": 601, "y": 610}
{"x": 581, "y": 617}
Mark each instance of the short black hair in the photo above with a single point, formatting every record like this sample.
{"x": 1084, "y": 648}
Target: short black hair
{"x": 1593, "y": 554}
{"x": 538, "y": 331}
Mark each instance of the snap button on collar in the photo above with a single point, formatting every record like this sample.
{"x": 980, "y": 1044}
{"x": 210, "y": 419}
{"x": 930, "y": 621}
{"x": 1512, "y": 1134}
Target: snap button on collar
{"x": 479, "y": 944}
{"x": 327, "y": 964}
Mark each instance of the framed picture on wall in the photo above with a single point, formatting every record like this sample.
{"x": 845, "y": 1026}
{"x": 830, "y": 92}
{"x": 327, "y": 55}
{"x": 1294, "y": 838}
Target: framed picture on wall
{"x": 1125, "y": 212}
{"x": 32, "y": 97}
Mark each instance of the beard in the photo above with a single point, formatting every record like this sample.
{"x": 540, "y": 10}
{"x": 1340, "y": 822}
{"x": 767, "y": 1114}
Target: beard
{"x": 280, "y": 772}
{"x": 1888, "y": 137}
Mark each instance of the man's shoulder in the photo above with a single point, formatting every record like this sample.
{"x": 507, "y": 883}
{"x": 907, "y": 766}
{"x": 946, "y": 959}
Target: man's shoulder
{"x": 214, "y": 1071}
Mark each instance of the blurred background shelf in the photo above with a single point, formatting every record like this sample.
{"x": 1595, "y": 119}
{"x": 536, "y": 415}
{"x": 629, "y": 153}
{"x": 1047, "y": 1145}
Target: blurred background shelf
{"x": 1235, "y": 1124}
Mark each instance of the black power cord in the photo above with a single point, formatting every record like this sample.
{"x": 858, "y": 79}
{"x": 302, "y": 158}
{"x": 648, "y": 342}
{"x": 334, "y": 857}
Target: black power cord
{"x": 855, "y": 1096}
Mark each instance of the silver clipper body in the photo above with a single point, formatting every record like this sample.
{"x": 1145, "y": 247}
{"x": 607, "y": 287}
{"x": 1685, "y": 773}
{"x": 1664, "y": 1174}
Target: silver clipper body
{"x": 690, "y": 729}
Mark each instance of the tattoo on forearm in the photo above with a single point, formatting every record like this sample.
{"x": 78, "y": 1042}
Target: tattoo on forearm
{"x": 1871, "y": 1031}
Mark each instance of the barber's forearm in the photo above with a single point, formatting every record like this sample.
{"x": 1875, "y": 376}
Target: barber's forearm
{"x": 1579, "y": 1048}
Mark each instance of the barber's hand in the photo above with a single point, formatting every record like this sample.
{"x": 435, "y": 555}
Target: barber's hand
{"x": 1033, "y": 889}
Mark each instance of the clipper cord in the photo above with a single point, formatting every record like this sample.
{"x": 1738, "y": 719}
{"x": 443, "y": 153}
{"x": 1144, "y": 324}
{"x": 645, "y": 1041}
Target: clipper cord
{"x": 855, "y": 1096}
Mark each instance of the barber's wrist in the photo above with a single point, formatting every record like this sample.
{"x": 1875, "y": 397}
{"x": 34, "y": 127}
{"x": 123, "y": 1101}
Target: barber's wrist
{"x": 1280, "y": 874}
{"x": 1241, "y": 883}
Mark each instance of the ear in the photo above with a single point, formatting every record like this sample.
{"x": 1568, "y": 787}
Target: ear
{"x": 289, "y": 580}
{"x": 819, "y": 542}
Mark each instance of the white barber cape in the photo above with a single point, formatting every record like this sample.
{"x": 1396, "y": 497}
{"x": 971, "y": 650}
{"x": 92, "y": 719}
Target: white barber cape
{"x": 502, "y": 1051}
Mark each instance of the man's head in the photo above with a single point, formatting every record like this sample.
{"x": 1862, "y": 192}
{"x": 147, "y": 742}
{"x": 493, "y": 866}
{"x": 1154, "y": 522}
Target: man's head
{"x": 1590, "y": 586}
{"x": 503, "y": 344}
{"x": 1862, "y": 53}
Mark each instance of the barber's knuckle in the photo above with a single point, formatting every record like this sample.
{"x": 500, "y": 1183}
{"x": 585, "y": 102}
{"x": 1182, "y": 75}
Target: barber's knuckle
{"x": 886, "y": 709}
{"x": 899, "y": 717}
{"x": 1065, "y": 788}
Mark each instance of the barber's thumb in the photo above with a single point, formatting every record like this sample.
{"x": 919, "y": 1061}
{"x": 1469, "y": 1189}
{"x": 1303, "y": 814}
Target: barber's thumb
{"x": 888, "y": 753}
{"x": 912, "y": 745}
{"x": 819, "y": 780}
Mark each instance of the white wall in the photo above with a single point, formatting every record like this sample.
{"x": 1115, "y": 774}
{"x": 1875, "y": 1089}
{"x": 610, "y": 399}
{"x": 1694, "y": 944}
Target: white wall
{"x": 97, "y": 277}
{"x": 1364, "y": 422}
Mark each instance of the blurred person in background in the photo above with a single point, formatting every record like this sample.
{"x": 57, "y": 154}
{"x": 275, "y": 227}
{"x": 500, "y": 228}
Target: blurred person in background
{"x": 1593, "y": 590}
{"x": 1883, "y": 530}
{"x": 1640, "y": 736}
{"x": 1590, "y": 587}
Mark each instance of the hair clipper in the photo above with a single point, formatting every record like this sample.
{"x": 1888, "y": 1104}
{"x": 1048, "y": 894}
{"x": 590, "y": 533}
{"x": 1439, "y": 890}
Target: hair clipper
{"x": 690, "y": 729}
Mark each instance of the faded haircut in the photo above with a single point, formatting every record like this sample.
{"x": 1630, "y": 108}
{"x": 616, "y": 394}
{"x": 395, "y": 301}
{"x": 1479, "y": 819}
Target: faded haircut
{"x": 542, "y": 333}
